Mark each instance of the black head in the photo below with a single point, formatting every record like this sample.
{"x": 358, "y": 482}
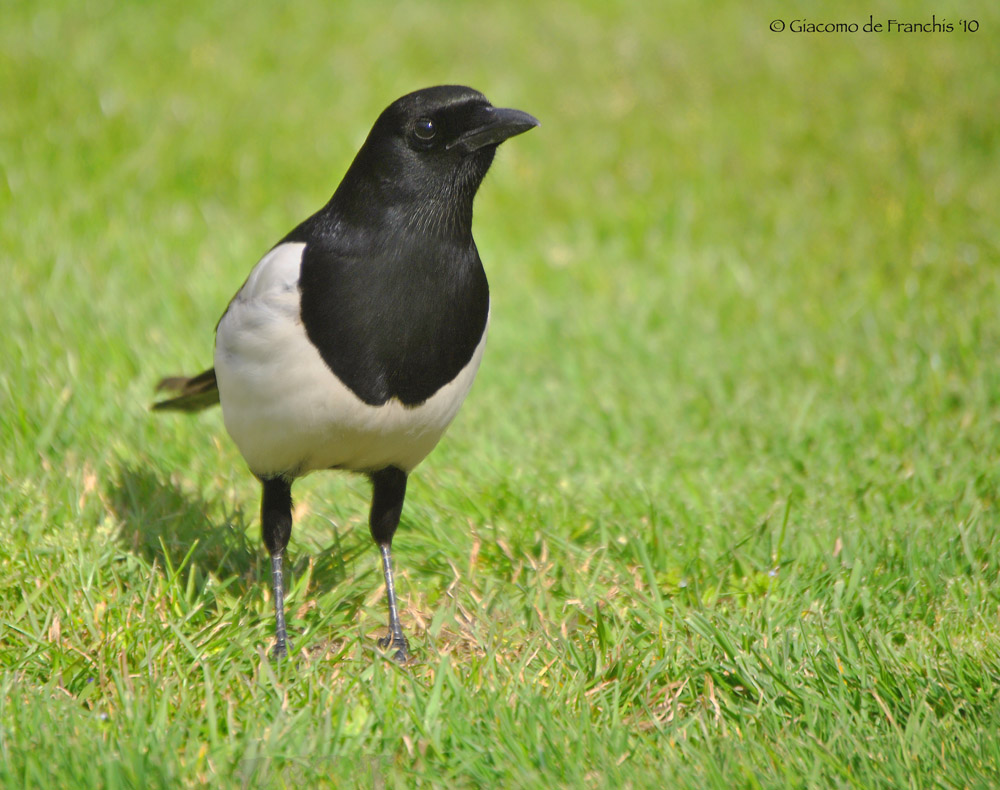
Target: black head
{"x": 426, "y": 156}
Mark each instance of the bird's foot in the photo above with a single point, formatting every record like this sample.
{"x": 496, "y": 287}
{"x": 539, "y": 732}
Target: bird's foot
{"x": 397, "y": 643}
{"x": 280, "y": 650}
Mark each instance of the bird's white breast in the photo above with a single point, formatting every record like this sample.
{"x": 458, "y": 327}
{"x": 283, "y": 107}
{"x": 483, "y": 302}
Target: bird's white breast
{"x": 286, "y": 410}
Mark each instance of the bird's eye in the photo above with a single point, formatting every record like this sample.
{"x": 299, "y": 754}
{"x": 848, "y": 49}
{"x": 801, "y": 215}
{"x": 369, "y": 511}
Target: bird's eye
{"x": 425, "y": 129}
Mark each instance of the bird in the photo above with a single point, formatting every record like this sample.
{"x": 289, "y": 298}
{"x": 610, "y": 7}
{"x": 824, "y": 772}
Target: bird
{"x": 356, "y": 338}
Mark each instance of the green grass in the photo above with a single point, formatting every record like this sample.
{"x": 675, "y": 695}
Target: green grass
{"x": 721, "y": 510}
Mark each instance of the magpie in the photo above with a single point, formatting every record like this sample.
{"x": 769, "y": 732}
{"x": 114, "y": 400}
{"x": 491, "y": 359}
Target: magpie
{"x": 354, "y": 341}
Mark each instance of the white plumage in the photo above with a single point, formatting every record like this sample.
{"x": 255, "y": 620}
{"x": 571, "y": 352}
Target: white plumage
{"x": 286, "y": 410}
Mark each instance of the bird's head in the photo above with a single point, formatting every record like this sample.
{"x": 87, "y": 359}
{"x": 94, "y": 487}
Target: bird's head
{"x": 426, "y": 156}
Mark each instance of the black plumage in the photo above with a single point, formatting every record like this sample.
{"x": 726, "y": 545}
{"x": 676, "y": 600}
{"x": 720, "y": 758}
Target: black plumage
{"x": 354, "y": 340}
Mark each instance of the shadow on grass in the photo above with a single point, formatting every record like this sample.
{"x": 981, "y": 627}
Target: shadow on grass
{"x": 161, "y": 522}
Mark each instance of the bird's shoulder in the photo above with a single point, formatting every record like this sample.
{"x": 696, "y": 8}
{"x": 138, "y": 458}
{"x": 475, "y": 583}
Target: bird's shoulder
{"x": 277, "y": 272}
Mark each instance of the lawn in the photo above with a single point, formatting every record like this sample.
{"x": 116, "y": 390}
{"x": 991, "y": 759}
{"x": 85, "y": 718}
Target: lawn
{"x": 721, "y": 510}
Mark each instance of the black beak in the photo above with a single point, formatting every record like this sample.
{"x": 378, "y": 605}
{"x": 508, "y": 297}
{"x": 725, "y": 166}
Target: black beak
{"x": 497, "y": 125}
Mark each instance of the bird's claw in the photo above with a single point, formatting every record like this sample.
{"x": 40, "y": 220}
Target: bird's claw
{"x": 280, "y": 651}
{"x": 397, "y": 643}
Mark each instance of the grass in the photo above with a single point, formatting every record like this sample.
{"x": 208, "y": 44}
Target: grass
{"x": 721, "y": 510}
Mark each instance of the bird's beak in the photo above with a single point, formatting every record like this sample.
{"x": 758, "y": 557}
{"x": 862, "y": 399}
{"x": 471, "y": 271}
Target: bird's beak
{"x": 497, "y": 125}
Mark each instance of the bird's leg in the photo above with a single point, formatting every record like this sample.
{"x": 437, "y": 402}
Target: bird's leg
{"x": 395, "y": 640}
{"x": 276, "y": 526}
{"x": 389, "y": 488}
{"x": 281, "y": 642}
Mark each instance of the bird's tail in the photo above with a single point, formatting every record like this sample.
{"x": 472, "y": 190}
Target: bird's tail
{"x": 193, "y": 394}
